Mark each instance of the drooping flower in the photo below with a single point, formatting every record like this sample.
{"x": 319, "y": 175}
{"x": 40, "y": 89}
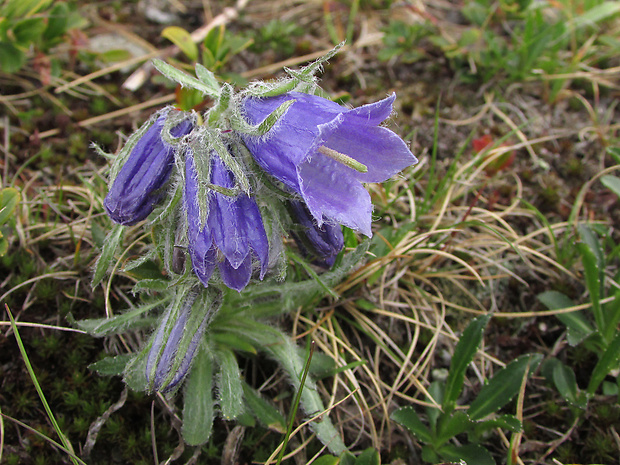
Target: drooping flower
{"x": 323, "y": 243}
{"x": 324, "y": 152}
{"x": 233, "y": 234}
{"x": 137, "y": 188}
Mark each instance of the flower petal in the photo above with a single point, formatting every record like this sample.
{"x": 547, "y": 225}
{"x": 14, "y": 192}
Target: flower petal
{"x": 291, "y": 153}
{"x": 236, "y": 278}
{"x": 332, "y": 193}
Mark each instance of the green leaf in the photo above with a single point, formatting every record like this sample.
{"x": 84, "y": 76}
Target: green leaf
{"x": 135, "y": 371}
{"x": 451, "y": 425}
{"x": 99, "y": 327}
{"x": 232, "y": 341}
{"x": 9, "y": 198}
{"x": 609, "y": 361}
{"x": 565, "y": 381}
{"x": 508, "y": 422}
{"x": 503, "y": 386}
{"x": 369, "y": 456}
{"x": 57, "y": 22}
{"x": 327, "y": 460}
{"x": 230, "y": 389}
{"x": 593, "y": 282}
{"x": 407, "y": 417}
{"x": 612, "y": 183}
{"x": 28, "y": 30}
{"x": 206, "y": 76}
{"x": 198, "y": 401}
{"x": 112, "y": 242}
{"x": 463, "y": 355}
{"x": 11, "y": 58}
{"x": 576, "y": 322}
{"x": 4, "y": 245}
{"x": 264, "y": 411}
{"x": 157, "y": 285}
{"x": 182, "y": 39}
{"x": 589, "y": 238}
{"x": 111, "y": 366}
{"x": 184, "y": 79}
{"x": 347, "y": 458}
{"x": 614, "y": 152}
{"x": 436, "y": 390}
{"x": 602, "y": 12}
{"x": 114, "y": 56}
{"x": 473, "y": 454}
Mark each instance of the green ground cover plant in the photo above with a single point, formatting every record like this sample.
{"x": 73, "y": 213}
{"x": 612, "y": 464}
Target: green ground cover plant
{"x": 479, "y": 323}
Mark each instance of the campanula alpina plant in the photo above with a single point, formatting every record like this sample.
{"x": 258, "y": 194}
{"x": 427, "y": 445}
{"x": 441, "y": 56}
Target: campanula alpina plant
{"x": 220, "y": 191}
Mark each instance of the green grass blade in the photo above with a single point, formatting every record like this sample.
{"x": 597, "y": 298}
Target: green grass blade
{"x": 63, "y": 439}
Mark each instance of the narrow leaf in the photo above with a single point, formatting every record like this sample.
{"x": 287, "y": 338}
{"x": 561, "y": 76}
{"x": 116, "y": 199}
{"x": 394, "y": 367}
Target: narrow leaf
{"x": 230, "y": 390}
{"x": 182, "y": 39}
{"x": 463, "y": 355}
{"x": 508, "y": 422}
{"x": 503, "y": 386}
{"x": 99, "y": 327}
{"x": 264, "y": 411}
{"x": 407, "y": 417}
{"x": 112, "y": 242}
{"x": 612, "y": 183}
{"x": 111, "y": 366}
{"x": 608, "y": 362}
{"x": 184, "y": 79}
{"x": 565, "y": 382}
{"x": 576, "y": 322}
{"x": 206, "y": 76}
{"x": 593, "y": 282}
{"x": 197, "y": 401}
{"x": 9, "y": 198}
{"x": 451, "y": 425}
{"x": 472, "y": 454}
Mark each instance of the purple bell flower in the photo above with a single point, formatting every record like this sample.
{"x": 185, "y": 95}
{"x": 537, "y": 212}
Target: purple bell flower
{"x": 136, "y": 189}
{"x": 323, "y": 243}
{"x": 233, "y": 233}
{"x": 304, "y": 151}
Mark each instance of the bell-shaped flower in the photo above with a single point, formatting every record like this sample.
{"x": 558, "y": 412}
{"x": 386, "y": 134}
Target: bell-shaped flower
{"x": 324, "y": 152}
{"x": 321, "y": 243}
{"x": 233, "y": 234}
{"x": 138, "y": 185}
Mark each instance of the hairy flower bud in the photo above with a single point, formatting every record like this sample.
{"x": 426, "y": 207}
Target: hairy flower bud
{"x": 137, "y": 188}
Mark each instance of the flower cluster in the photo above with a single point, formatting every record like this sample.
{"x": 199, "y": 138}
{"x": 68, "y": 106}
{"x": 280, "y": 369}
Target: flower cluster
{"x": 320, "y": 152}
{"x": 233, "y": 181}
